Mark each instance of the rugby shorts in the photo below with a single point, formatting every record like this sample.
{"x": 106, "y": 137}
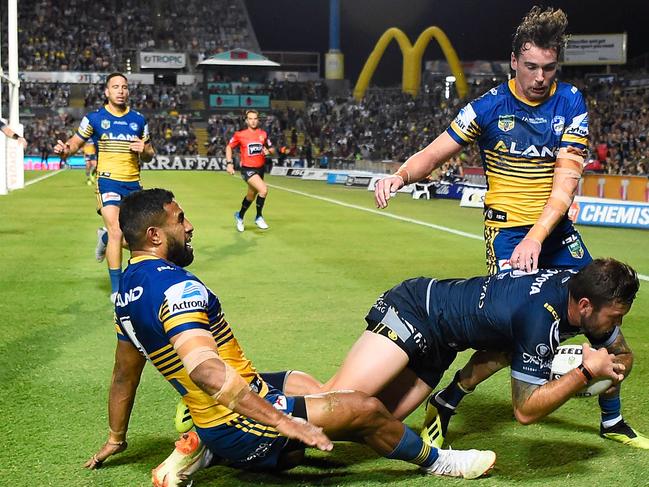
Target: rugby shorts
{"x": 564, "y": 247}
{"x": 400, "y": 315}
{"x": 111, "y": 192}
{"x": 248, "y": 172}
{"x": 244, "y": 443}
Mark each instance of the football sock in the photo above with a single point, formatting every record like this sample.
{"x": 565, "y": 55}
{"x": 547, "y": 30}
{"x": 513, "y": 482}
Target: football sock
{"x": 114, "y": 274}
{"x": 245, "y": 204}
{"x": 611, "y": 410}
{"x": 411, "y": 448}
{"x": 104, "y": 238}
{"x": 454, "y": 392}
{"x": 260, "y": 205}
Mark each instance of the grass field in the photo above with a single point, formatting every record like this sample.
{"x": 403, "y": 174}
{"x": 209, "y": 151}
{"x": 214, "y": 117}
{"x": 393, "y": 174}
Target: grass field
{"x": 296, "y": 296}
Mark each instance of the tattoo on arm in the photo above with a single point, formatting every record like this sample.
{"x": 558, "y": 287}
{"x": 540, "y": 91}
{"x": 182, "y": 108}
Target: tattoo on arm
{"x": 521, "y": 391}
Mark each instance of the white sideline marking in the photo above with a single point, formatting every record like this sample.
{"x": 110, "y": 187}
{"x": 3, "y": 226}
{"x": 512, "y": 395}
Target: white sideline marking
{"x": 396, "y": 217}
{"x": 381, "y": 213}
{"x": 32, "y": 181}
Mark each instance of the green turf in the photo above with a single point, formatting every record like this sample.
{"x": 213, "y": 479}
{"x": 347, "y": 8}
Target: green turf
{"x": 295, "y": 296}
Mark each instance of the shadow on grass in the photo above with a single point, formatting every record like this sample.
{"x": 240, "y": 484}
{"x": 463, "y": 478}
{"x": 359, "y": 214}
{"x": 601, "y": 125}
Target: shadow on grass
{"x": 553, "y": 447}
{"x": 338, "y": 468}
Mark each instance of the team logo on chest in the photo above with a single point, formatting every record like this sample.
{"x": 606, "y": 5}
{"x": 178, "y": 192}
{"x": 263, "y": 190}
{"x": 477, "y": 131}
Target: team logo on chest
{"x": 133, "y": 126}
{"x": 558, "y": 123}
{"x": 506, "y": 122}
{"x": 105, "y": 124}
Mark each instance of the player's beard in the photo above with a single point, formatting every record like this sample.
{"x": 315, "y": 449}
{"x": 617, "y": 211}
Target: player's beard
{"x": 180, "y": 253}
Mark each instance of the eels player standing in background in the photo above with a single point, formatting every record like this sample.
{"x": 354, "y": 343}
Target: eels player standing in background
{"x": 254, "y": 146}
{"x": 122, "y": 137}
{"x": 90, "y": 157}
{"x": 533, "y": 133}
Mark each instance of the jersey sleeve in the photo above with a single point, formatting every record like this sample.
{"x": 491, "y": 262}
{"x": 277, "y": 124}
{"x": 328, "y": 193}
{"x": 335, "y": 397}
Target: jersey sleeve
{"x": 234, "y": 141}
{"x": 184, "y": 307}
{"x": 465, "y": 128}
{"x": 85, "y": 129}
{"x": 536, "y": 338}
{"x": 575, "y": 132}
{"x": 146, "y": 137}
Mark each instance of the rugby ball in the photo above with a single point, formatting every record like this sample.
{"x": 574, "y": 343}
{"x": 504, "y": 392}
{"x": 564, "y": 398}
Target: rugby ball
{"x": 567, "y": 358}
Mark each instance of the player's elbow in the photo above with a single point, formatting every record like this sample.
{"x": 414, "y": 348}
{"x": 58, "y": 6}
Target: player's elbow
{"x": 524, "y": 418}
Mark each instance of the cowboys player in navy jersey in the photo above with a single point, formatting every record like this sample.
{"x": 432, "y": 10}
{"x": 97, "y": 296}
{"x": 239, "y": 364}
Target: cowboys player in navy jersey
{"x": 415, "y": 330}
{"x": 532, "y": 132}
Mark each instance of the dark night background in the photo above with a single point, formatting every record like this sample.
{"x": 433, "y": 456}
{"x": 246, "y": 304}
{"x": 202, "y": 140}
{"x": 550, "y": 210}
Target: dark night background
{"x": 477, "y": 29}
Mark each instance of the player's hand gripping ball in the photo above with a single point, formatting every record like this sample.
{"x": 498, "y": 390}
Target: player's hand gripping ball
{"x": 569, "y": 357}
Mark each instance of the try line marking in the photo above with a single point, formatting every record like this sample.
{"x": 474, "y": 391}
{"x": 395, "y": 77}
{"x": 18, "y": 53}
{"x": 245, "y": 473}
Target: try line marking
{"x": 44, "y": 177}
{"x": 395, "y": 217}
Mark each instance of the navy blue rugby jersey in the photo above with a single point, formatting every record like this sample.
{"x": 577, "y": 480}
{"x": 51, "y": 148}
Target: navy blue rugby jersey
{"x": 526, "y": 314}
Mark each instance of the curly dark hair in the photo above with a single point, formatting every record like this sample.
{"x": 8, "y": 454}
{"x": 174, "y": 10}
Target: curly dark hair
{"x": 605, "y": 281}
{"x": 543, "y": 28}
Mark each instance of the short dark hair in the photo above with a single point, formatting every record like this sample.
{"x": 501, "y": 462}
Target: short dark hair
{"x": 141, "y": 210}
{"x": 543, "y": 28}
{"x": 605, "y": 281}
{"x": 114, "y": 75}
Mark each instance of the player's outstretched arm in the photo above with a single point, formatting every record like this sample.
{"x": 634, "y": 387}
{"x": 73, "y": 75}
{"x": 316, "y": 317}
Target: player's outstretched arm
{"x": 567, "y": 173}
{"x": 66, "y": 149}
{"x": 416, "y": 168}
{"x": 126, "y": 377}
{"x": 532, "y": 402}
{"x": 197, "y": 350}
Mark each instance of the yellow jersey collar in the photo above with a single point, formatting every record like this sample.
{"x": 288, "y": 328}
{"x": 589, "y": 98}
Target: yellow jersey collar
{"x": 115, "y": 114}
{"x": 141, "y": 258}
{"x": 511, "y": 84}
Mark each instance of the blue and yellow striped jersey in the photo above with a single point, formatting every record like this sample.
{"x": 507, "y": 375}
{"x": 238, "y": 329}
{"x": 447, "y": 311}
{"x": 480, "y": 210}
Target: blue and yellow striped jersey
{"x": 518, "y": 143}
{"x": 112, "y": 134}
{"x": 158, "y": 300}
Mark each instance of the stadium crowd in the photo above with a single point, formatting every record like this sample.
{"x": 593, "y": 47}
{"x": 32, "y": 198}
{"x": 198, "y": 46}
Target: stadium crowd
{"x": 89, "y": 43}
{"x": 385, "y": 125}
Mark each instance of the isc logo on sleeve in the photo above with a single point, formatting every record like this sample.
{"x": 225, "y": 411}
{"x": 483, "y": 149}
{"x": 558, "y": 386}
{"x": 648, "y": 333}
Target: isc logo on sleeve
{"x": 186, "y": 296}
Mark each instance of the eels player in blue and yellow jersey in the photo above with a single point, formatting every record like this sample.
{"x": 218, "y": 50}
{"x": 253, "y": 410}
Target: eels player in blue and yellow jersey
{"x": 532, "y": 132}
{"x": 90, "y": 158}
{"x": 165, "y": 314}
{"x": 122, "y": 138}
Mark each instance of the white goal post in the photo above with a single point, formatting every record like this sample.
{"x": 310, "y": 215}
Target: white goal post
{"x": 12, "y": 174}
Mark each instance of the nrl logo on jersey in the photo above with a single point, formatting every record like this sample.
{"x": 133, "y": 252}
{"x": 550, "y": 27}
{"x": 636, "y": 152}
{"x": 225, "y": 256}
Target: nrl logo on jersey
{"x": 105, "y": 124}
{"x": 506, "y": 122}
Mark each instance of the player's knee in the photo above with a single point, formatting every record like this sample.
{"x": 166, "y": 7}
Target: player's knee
{"x": 371, "y": 410}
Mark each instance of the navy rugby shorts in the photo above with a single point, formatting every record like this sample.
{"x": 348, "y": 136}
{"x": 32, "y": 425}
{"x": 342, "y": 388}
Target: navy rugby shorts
{"x": 244, "y": 443}
{"x": 248, "y": 172}
{"x": 112, "y": 192}
{"x": 400, "y": 315}
{"x": 563, "y": 249}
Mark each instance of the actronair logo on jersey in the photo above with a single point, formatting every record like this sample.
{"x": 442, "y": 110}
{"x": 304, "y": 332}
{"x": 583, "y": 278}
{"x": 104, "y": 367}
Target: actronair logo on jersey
{"x": 186, "y": 296}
